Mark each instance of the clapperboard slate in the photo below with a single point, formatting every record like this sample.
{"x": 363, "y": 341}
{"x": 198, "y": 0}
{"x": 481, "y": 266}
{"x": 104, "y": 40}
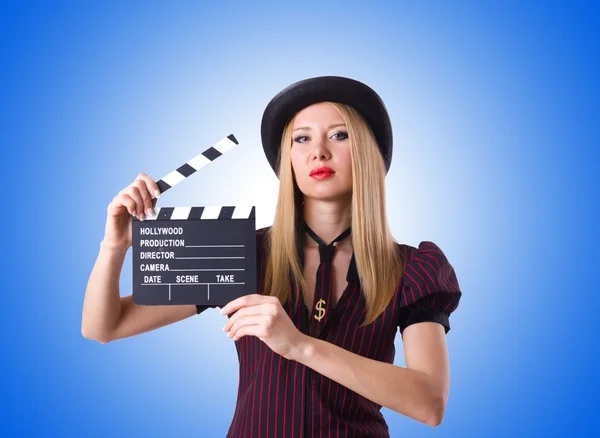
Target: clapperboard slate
{"x": 194, "y": 255}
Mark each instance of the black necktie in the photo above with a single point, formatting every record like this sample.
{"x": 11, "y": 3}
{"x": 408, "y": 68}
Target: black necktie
{"x": 324, "y": 282}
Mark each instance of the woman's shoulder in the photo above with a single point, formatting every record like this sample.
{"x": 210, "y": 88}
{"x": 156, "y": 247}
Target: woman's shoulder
{"x": 261, "y": 234}
{"x": 425, "y": 248}
{"x": 427, "y": 271}
{"x": 261, "y": 242}
{"x": 263, "y": 230}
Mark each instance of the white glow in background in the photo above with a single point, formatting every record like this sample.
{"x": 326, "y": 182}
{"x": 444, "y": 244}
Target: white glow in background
{"x": 495, "y": 116}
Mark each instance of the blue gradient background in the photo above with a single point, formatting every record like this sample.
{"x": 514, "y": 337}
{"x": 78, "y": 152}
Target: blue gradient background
{"x": 496, "y": 120}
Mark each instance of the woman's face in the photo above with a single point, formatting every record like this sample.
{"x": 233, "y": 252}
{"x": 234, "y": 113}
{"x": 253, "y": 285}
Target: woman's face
{"x": 320, "y": 139}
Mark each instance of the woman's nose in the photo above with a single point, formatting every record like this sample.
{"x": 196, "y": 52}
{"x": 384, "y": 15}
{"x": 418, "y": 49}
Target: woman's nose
{"x": 319, "y": 147}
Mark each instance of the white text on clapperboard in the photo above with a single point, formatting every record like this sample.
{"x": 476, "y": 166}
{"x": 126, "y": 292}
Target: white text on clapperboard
{"x": 158, "y": 243}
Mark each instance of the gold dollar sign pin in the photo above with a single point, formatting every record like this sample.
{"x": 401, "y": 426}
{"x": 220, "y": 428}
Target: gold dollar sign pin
{"x": 321, "y": 310}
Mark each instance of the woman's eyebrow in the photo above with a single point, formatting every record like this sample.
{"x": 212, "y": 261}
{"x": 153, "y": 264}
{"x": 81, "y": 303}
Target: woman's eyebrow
{"x": 330, "y": 126}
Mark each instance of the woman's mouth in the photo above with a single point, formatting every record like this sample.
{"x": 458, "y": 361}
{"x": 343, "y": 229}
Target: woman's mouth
{"x": 322, "y": 173}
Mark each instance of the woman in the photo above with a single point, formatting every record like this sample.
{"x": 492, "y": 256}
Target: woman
{"x": 316, "y": 342}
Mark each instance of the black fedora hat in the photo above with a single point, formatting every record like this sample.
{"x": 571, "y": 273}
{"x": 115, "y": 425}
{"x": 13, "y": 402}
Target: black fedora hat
{"x": 306, "y": 92}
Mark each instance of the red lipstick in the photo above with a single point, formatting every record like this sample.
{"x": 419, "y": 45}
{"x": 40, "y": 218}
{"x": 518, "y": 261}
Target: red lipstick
{"x": 321, "y": 172}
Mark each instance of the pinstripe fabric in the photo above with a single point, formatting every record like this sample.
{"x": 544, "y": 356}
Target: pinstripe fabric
{"x": 283, "y": 398}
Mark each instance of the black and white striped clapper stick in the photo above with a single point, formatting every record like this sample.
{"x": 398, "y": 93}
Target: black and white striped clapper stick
{"x": 199, "y": 161}
{"x": 194, "y": 255}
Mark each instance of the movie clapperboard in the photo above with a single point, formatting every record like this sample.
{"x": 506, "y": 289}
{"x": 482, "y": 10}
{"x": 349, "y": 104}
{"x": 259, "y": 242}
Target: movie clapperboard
{"x": 194, "y": 255}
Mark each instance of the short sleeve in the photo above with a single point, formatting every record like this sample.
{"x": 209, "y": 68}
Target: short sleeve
{"x": 430, "y": 289}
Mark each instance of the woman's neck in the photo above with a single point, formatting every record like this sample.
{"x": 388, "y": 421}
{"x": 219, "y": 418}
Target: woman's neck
{"x": 328, "y": 220}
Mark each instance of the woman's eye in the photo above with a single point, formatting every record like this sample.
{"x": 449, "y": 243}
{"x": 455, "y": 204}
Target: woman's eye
{"x": 343, "y": 135}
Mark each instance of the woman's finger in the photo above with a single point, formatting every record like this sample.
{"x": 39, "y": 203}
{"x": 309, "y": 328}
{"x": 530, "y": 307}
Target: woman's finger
{"x": 145, "y": 194}
{"x": 124, "y": 200}
{"x": 134, "y": 193}
{"x": 259, "y": 309}
{"x": 248, "y": 320}
{"x": 252, "y": 330}
{"x": 127, "y": 202}
{"x": 153, "y": 188}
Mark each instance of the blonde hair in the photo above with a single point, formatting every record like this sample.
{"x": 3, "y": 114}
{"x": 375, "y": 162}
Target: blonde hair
{"x": 379, "y": 261}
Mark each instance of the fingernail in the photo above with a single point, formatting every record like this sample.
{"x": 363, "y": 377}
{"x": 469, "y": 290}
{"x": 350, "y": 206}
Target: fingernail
{"x": 157, "y": 194}
{"x": 150, "y": 211}
{"x": 223, "y": 327}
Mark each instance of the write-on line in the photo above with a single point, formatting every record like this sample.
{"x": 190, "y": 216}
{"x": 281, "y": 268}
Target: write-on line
{"x": 175, "y": 284}
{"x": 189, "y": 284}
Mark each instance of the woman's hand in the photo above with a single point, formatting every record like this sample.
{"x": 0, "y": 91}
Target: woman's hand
{"x": 137, "y": 199}
{"x": 264, "y": 317}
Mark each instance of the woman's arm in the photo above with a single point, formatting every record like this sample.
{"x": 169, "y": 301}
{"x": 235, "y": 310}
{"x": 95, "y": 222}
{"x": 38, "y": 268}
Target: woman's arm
{"x": 419, "y": 391}
{"x": 107, "y": 316}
